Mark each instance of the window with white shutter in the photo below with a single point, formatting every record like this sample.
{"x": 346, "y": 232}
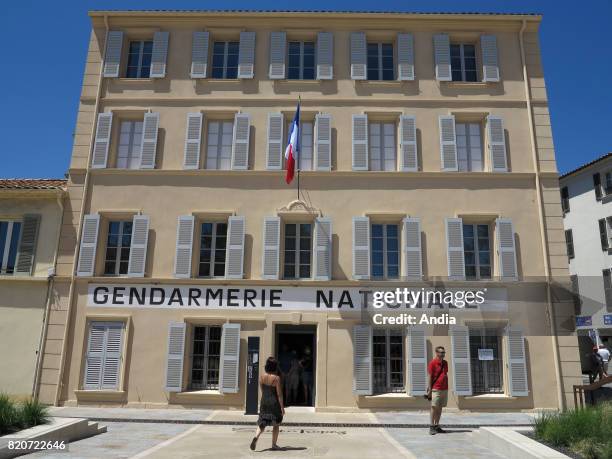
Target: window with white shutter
{"x": 246, "y": 55}
{"x": 297, "y": 250}
{"x": 129, "y": 148}
{"x": 362, "y": 360}
{"x": 442, "y": 57}
{"x": 10, "y": 234}
{"x": 240, "y": 145}
{"x": 322, "y": 141}
{"x": 461, "y": 365}
{"x": 409, "y": 160}
{"x": 325, "y": 56}
{"x": 213, "y": 249}
{"x": 490, "y": 67}
{"x": 323, "y": 249}
{"x": 27, "y": 245}
{"x": 454, "y": 244}
{"x": 199, "y": 55}
{"x": 271, "y": 248}
{"x": 360, "y": 142}
{"x": 448, "y": 143}
{"x": 175, "y": 356}
{"x": 230, "y": 359}
{"x": 517, "y": 362}
{"x": 497, "y": 143}
{"x": 102, "y": 140}
{"x": 405, "y": 56}
{"x": 225, "y": 57}
{"x": 361, "y": 248}
{"x": 138, "y": 249}
{"x": 184, "y": 246}
{"x": 358, "y": 56}
{"x": 112, "y": 55}
{"x": 506, "y": 249}
{"x": 274, "y": 156}
{"x": 103, "y": 359}
{"x": 193, "y": 141}
{"x": 278, "y": 46}
{"x": 159, "y": 54}
{"x": 149, "y": 140}
{"x": 234, "y": 259}
{"x": 88, "y": 246}
{"x": 417, "y": 360}
{"x": 411, "y": 239}
{"x": 139, "y": 59}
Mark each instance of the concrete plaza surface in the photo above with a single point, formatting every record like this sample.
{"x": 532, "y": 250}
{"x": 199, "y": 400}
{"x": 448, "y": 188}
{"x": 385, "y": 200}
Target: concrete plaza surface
{"x": 176, "y": 433}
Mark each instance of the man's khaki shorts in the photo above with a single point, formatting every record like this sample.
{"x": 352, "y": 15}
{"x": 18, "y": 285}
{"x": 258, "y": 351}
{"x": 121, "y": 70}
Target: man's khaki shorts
{"x": 439, "y": 398}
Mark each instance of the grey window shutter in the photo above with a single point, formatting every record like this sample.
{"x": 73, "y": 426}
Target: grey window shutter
{"x": 323, "y": 142}
{"x": 448, "y": 143}
{"x": 176, "y": 354}
{"x": 506, "y": 249}
{"x": 442, "y": 57}
{"x": 193, "y": 141}
{"x": 246, "y": 55}
{"x": 159, "y": 54}
{"x": 360, "y": 142}
{"x": 413, "y": 264}
{"x": 325, "y": 56}
{"x": 490, "y": 67}
{"x": 274, "y": 157}
{"x": 199, "y": 55}
{"x": 27, "y": 245}
{"x": 234, "y": 258}
{"x": 462, "y": 373}
{"x": 89, "y": 243}
{"x": 149, "y": 140}
{"x": 95, "y": 356}
{"x": 112, "y": 55}
{"x": 323, "y": 248}
{"x": 278, "y": 51}
{"x": 405, "y": 56}
{"x": 102, "y": 140}
{"x": 362, "y": 360}
{"x": 417, "y": 360}
{"x": 271, "y": 248}
{"x": 454, "y": 244}
{"x": 229, "y": 370}
{"x": 358, "y": 56}
{"x": 138, "y": 249}
{"x": 240, "y": 144}
{"x": 184, "y": 246}
{"x": 408, "y": 143}
{"x": 497, "y": 143}
{"x": 361, "y": 248}
{"x": 113, "y": 351}
{"x": 517, "y": 365}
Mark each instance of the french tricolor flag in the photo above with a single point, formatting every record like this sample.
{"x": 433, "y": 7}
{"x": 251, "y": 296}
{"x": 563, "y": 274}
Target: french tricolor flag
{"x": 293, "y": 146}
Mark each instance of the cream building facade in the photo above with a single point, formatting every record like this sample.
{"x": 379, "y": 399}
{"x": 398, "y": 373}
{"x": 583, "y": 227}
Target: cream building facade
{"x": 426, "y": 161}
{"x": 30, "y": 220}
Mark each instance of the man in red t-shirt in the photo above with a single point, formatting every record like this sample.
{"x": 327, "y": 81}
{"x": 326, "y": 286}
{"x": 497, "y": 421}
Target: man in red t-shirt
{"x": 437, "y": 388}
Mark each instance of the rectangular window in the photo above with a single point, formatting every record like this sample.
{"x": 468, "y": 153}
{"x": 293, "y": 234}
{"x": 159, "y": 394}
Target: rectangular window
{"x": 469, "y": 147}
{"x": 225, "y": 60}
{"x": 139, "y": 59}
{"x": 608, "y": 183}
{"x": 380, "y": 61}
{"x": 213, "y": 240}
{"x": 603, "y": 234}
{"x": 104, "y": 356}
{"x": 565, "y": 205}
{"x": 205, "y": 358}
{"x": 301, "y": 60}
{"x": 487, "y": 375}
{"x": 118, "y": 244}
{"x": 385, "y": 251}
{"x": 219, "y": 146}
{"x": 298, "y": 251}
{"x": 383, "y": 147}
{"x": 10, "y": 232}
{"x": 130, "y": 139}
{"x": 607, "y": 282}
{"x": 569, "y": 242}
{"x": 463, "y": 62}
{"x": 477, "y": 251}
{"x": 388, "y": 360}
{"x": 305, "y": 156}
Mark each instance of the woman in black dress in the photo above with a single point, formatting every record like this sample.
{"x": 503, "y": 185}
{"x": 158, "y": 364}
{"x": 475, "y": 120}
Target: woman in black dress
{"x": 271, "y": 408}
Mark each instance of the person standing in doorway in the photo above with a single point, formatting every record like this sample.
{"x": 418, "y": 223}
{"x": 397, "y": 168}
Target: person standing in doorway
{"x": 604, "y": 353}
{"x": 271, "y": 408}
{"x": 437, "y": 388}
{"x": 307, "y": 375}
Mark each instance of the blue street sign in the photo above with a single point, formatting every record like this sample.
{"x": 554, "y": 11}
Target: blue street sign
{"x": 607, "y": 319}
{"x": 584, "y": 321}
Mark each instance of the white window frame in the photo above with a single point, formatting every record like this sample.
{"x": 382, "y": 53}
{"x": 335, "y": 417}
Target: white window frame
{"x": 119, "y": 246}
{"x": 382, "y": 145}
{"x": 301, "y": 67}
{"x": 297, "y": 249}
{"x": 140, "y": 54}
{"x": 301, "y": 141}
{"x": 387, "y": 333}
{"x": 213, "y": 248}
{"x": 205, "y": 384}
{"x": 133, "y": 155}
{"x": 468, "y": 145}
{"x": 7, "y": 246}
{"x": 219, "y": 144}
{"x": 225, "y": 58}
{"x": 481, "y": 332}
{"x": 462, "y": 58}
{"x": 477, "y": 251}
{"x": 380, "y": 60}
{"x": 385, "y": 275}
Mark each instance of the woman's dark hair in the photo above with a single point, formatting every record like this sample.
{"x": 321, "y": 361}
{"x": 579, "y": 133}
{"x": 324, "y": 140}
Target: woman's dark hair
{"x": 271, "y": 365}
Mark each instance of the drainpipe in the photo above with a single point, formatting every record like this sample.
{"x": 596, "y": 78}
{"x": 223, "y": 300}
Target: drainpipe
{"x": 45, "y": 325}
{"x": 544, "y": 241}
{"x": 60, "y": 378}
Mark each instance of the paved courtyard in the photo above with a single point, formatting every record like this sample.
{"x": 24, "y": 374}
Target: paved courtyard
{"x": 223, "y": 434}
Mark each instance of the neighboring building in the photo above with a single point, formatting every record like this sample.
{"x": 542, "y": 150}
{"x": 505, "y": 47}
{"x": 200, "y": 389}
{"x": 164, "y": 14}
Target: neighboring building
{"x": 427, "y": 160}
{"x": 586, "y": 197}
{"x": 30, "y": 220}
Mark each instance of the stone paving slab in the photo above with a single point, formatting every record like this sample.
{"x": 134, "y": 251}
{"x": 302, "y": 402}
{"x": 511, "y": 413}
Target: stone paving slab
{"x": 456, "y": 418}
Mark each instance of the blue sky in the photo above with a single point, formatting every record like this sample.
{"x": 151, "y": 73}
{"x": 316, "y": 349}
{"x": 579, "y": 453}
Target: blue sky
{"x": 43, "y": 45}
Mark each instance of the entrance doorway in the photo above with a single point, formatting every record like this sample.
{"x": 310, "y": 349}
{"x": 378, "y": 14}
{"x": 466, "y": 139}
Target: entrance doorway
{"x": 295, "y": 352}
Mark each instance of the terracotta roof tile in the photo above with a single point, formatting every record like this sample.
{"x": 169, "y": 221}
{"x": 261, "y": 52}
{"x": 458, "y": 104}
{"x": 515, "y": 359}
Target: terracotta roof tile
{"x": 32, "y": 184}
